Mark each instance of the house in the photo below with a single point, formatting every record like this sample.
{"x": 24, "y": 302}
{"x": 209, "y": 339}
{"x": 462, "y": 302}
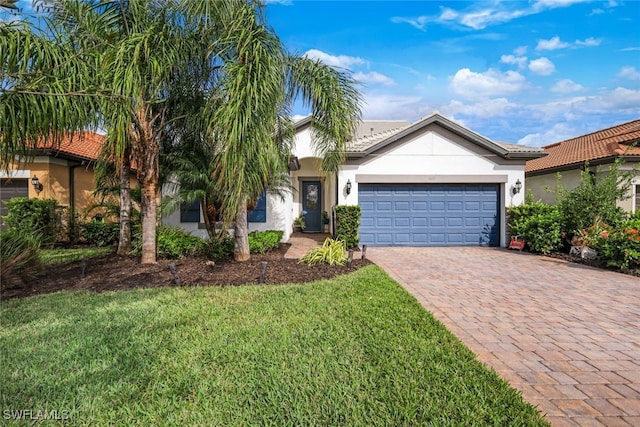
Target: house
{"x": 64, "y": 173}
{"x": 568, "y": 158}
{"x": 430, "y": 183}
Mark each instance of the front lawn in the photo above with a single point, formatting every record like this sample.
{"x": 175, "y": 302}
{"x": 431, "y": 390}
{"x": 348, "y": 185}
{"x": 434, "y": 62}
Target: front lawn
{"x": 354, "y": 350}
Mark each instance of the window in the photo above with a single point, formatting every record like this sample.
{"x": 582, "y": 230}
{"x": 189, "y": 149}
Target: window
{"x": 190, "y": 212}
{"x": 259, "y": 212}
{"x": 637, "y": 196}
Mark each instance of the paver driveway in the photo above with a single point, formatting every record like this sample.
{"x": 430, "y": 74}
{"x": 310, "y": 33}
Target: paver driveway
{"x": 566, "y": 335}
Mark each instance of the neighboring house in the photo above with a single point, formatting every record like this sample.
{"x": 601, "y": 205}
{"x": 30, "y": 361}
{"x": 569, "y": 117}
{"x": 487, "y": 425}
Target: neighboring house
{"x": 600, "y": 149}
{"x": 64, "y": 173}
{"x": 431, "y": 183}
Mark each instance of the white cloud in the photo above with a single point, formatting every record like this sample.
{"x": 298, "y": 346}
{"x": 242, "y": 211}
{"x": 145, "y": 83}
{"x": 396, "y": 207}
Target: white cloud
{"x": 341, "y": 61}
{"x": 542, "y": 66}
{"x": 558, "y": 132}
{"x": 590, "y": 42}
{"x": 420, "y": 22}
{"x": 629, "y": 72}
{"x": 481, "y": 19}
{"x": 374, "y": 78}
{"x": 621, "y": 99}
{"x": 487, "y": 108}
{"x": 520, "y": 50}
{"x": 566, "y": 86}
{"x": 479, "y": 16}
{"x": 520, "y": 61}
{"x": 551, "y": 4}
{"x": 552, "y": 44}
{"x": 489, "y": 84}
{"x": 393, "y": 107}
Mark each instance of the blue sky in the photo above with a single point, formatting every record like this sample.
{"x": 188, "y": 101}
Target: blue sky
{"x": 529, "y": 72}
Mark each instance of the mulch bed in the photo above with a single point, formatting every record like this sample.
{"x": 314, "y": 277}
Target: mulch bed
{"x": 111, "y": 272}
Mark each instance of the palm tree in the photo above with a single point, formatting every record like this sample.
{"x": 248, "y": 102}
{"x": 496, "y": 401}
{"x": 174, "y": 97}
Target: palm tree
{"x": 125, "y": 54}
{"x": 259, "y": 82}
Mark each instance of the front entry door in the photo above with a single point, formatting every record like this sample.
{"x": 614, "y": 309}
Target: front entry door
{"x": 312, "y": 205}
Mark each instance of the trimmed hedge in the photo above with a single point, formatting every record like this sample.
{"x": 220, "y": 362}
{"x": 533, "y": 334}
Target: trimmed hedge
{"x": 261, "y": 242}
{"x": 347, "y": 225}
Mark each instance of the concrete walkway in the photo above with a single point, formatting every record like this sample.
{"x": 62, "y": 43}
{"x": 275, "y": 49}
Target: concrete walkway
{"x": 565, "y": 335}
{"x": 301, "y": 243}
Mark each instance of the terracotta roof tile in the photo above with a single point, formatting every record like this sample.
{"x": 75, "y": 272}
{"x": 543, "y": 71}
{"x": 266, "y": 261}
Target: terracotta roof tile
{"x": 86, "y": 145}
{"x": 610, "y": 142}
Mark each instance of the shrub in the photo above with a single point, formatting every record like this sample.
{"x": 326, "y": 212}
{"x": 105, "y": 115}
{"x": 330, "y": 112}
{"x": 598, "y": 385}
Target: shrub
{"x": 347, "y": 224}
{"x": 19, "y": 257}
{"x": 539, "y": 224}
{"x": 618, "y": 247}
{"x": 171, "y": 242}
{"x": 332, "y": 252}
{"x": 595, "y": 197}
{"x": 34, "y": 216}
{"x": 100, "y": 233}
{"x": 261, "y": 242}
{"x": 219, "y": 247}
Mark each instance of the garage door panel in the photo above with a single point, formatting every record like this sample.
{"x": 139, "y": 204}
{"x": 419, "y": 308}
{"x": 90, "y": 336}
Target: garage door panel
{"x": 402, "y": 222}
{"x": 418, "y": 222}
{"x": 437, "y": 206}
{"x": 429, "y": 214}
{"x": 402, "y": 206}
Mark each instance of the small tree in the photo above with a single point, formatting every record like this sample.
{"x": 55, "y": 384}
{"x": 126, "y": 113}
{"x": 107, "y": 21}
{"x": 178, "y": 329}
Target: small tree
{"x": 595, "y": 197}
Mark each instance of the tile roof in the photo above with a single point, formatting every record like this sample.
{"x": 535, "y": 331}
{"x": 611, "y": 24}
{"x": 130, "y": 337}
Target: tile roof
{"x": 373, "y": 142}
{"x": 611, "y": 142}
{"x": 85, "y": 145}
{"x": 368, "y": 141}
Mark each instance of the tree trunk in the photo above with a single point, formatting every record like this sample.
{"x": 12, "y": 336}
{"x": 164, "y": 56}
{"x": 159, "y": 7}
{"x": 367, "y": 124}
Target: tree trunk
{"x": 149, "y": 210}
{"x": 124, "y": 243}
{"x": 241, "y": 234}
{"x": 209, "y": 225}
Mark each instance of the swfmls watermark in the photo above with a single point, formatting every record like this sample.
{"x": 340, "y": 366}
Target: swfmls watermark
{"x": 36, "y": 415}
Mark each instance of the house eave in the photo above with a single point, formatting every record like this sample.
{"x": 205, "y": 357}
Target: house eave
{"x": 456, "y": 129}
{"x": 577, "y": 165}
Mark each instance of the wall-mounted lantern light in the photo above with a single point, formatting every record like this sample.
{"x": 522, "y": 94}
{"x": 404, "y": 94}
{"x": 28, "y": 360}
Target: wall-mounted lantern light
{"x": 37, "y": 185}
{"x": 517, "y": 187}
{"x": 348, "y": 187}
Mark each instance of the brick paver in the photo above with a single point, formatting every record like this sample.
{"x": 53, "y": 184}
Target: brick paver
{"x": 567, "y": 336}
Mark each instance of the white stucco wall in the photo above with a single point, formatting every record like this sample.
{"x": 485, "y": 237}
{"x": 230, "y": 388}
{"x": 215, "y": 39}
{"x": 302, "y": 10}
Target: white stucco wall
{"x": 278, "y": 216}
{"x": 435, "y": 156}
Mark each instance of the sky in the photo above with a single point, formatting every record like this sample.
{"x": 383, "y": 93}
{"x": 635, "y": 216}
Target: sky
{"x": 523, "y": 72}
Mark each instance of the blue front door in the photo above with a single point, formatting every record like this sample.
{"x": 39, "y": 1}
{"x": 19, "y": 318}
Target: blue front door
{"x": 312, "y": 205}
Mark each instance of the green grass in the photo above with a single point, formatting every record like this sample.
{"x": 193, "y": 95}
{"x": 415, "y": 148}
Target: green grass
{"x": 61, "y": 256}
{"x": 355, "y": 350}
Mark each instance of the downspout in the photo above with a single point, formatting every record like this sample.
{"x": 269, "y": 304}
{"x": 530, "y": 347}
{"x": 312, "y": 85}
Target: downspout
{"x": 333, "y": 210}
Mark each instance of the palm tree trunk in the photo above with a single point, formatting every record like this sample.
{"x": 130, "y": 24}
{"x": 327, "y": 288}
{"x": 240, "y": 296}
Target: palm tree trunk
{"x": 124, "y": 243}
{"x": 241, "y": 233}
{"x": 149, "y": 211}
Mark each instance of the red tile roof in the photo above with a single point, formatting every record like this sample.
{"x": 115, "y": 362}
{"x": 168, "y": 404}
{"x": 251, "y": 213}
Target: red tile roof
{"x": 86, "y": 145}
{"x": 611, "y": 142}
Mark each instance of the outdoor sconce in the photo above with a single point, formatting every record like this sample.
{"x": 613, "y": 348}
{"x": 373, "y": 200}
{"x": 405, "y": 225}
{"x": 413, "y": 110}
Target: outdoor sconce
{"x": 348, "y": 187}
{"x": 36, "y": 184}
{"x": 517, "y": 187}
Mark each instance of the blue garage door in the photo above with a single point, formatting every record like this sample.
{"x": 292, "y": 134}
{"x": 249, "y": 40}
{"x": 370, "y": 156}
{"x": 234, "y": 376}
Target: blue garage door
{"x": 429, "y": 214}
